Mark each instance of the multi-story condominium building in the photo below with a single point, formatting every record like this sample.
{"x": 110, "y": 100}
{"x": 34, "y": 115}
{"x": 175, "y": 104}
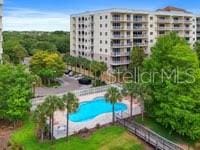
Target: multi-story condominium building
{"x": 1, "y": 27}
{"x": 109, "y": 35}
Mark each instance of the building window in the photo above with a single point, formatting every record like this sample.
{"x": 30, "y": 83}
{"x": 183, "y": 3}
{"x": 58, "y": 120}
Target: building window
{"x": 106, "y": 59}
{"x": 106, "y": 25}
{"x": 100, "y": 17}
{"x": 100, "y": 49}
{"x": 106, "y": 50}
{"x": 151, "y": 41}
{"x": 106, "y": 33}
{"x": 106, "y": 17}
{"x": 151, "y": 25}
{"x": 106, "y": 42}
{"x": 100, "y": 58}
{"x": 100, "y": 41}
{"x": 151, "y": 18}
{"x": 100, "y": 25}
{"x": 100, "y": 33}
{"x": 151, "y": 33}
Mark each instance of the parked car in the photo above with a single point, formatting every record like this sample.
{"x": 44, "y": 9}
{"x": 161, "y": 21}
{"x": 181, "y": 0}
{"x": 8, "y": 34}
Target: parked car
{"x": 85, "y": 81}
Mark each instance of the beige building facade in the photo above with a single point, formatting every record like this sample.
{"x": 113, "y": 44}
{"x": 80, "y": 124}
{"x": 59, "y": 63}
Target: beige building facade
{"x": 109, "y": 35}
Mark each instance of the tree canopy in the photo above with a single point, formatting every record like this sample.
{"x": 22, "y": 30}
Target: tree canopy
{"x": 15, "y": 92}
{"x": 47, "y": 65}
{"x": 174, "y": 85}
{"x": 17, "y": 45}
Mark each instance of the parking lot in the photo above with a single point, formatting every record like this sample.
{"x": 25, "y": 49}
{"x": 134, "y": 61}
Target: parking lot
{"x": 67, "y": 84}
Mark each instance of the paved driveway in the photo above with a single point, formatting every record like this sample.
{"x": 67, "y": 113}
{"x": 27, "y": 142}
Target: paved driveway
{"x": 67, "y": 84}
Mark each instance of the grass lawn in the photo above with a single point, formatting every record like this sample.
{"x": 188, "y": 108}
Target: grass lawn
{"x": 108, "y": 138}
{"x": 151, "y": 124}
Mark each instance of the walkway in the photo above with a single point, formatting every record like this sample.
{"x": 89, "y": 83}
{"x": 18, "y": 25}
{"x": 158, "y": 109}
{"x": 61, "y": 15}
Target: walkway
{"x": 147, "y": 135}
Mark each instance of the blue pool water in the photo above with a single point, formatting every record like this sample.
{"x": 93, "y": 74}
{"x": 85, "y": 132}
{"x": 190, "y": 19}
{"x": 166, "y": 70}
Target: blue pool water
{"x": 90, "y": 109}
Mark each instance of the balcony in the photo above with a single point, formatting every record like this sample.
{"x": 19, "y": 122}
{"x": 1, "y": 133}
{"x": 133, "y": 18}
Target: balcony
{"x": 140, "y": 20}
{"x": 121, "y": 27}
{"x": 178, "y": 21}
{"x": 122, "y": 62}
{"x": 164, "y": 28}
{"x": 140, "y": 44}
{"x": 187, "y": 21}
{"x": 177, "y": 28}
{"x": 117, "y": 36}
{"x": 117, "y": 45}
{"x": 164, "y": 21}
{"x": 140, "y": 28}
{"x": 187, "y": 28}
{"x": 121, "y": 19}
{"x": 117, "y": 54}
{"x": 138, "y": 36}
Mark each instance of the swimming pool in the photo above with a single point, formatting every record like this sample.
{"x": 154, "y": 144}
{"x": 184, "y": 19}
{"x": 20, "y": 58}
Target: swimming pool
{"x": 91, "y": 109}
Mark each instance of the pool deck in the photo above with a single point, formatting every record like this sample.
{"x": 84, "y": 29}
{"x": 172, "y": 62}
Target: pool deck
{"x": 74, "y": 127}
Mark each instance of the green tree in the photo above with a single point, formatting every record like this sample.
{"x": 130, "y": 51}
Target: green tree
{"x": 15, "y": 92}
{"x": 71, "y": 104}
{"x": 47, "y": 65}
{"x": 130, "y": 88}
{"x": 175, "y": 86}
{"x": 44, "y": 45}
{"x": 40, "y": 118}
{"x": 51, "y": 104}
{"x": 113, "y": 95}
{"x": 136, "y": 59}
{"x": 97, "y": 69}
{"x": 14, "y": 50}
{"x": 197, "y": 49}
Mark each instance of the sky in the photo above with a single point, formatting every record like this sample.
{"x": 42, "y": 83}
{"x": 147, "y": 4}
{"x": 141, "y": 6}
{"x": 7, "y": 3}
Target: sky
{"x": 52, "y": 15}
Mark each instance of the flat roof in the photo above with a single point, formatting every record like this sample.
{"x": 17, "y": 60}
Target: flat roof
{"x": 125, "y": 10}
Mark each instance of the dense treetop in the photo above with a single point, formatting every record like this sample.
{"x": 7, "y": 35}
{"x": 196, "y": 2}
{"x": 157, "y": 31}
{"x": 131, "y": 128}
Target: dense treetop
{"x": 17, "y": 45}
{"x": 175, "y": 91}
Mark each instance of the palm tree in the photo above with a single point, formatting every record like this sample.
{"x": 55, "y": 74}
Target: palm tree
{"x": 51, "y": 104}
{"x": 40, "y": 118}
{"x": 113, "y": 95}
{"x": 71, "y": 104}
{"x": 97, "y": 69}
{"x": 130, "y": 88}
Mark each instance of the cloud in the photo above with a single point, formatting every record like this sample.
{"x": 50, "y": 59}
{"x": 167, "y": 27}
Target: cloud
{"x": 21, "y": 19}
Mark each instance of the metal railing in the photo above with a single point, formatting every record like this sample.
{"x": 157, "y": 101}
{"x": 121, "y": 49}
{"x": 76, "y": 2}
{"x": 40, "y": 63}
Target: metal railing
{"x": 146, "y": 134}
{"x": 82, "y": 92}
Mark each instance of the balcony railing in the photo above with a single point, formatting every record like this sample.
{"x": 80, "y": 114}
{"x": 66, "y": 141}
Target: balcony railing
{"x": 187, "y": 28}
{"x": 121, "y": 45}
{"x": 177, "y": 28}
{"x": 187, "y": 21}
{"x": 123, "y": 62}
{"x": 117, "y": 36}
{"x": 121, "y": 27}
{"x": 140, "y": 20}
{"x": 120, "y": 54}
{"x": 140, "y": 28}
{"x": 140, "y": 44}
{"x": 121, "y": 19}
{"x": 139, "y": 35}
{"x": 164, "y": 28}
{"x": 163, "y": 20}
{"x": 178, "y": 21}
